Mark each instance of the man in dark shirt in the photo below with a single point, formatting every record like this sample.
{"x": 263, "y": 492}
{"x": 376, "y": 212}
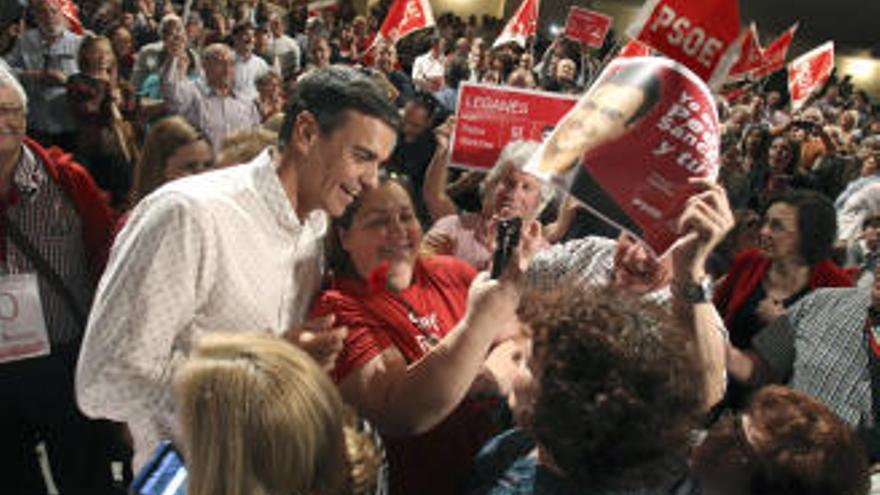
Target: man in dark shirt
{"x": 415, "y": 147}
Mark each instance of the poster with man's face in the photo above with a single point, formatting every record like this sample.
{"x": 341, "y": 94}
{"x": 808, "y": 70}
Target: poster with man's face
{"x": 630, "y": 145}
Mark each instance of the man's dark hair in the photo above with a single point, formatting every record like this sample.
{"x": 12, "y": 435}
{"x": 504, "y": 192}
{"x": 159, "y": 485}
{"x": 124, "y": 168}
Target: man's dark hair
{"x": 618, "y": 386}
{"x": 425, "y": 100}
{"x": 329, "y": 93}
{"x": 816, "y": 222}
{"x": 241, "y": 27}
{"x": 457, "y": 70}
{"x": 636, "y": 75}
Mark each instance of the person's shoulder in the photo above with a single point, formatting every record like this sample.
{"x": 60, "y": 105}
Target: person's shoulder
{"x": 831, "y": 295}
{"x": 153, "y": 48}
{"x": 503, "y": 466}
{"x": 448, "y": 266}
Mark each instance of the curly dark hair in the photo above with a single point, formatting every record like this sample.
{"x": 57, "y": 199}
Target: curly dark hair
{"x": 619, "y": 389}
{"x": 816, "y": 222}
{"x": 799, "y": 448}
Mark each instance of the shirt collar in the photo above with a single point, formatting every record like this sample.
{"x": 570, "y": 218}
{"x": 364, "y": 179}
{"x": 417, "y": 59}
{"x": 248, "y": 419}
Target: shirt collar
{"x": 268, "y": 185}
{"x": 29, "y": 175}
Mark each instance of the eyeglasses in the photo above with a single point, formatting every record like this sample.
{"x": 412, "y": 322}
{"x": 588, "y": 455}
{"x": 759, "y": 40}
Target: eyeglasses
{"x": 7, "y": 111}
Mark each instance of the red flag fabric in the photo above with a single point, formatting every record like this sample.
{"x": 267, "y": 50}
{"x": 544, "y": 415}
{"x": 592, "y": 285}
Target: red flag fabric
{"x": 587, "y": 26}
{"x": 700, "y": 35}
{"x": 405, "y": 17}
{"x": 775, "y": 52}
{"x": 809, "y": 72}
{"x": 523, "y": 24}
{"x": 316, "y": 7}
{"x": 750, "y": 54}
{"x": 71, "y": 15}
{"x": 634, "y": 48}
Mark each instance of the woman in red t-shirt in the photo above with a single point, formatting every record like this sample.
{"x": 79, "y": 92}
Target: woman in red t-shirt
{"x": 418, "y": 337}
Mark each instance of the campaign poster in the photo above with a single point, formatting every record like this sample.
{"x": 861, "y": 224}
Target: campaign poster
{"x": 587, "y": 26}
{"x": 489, "y": 117}
{"x": 629, "y": 147}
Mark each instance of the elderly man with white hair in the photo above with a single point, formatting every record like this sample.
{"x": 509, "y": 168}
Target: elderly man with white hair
{"x": 55, "y": 229}
{"x": 214, "y": 107}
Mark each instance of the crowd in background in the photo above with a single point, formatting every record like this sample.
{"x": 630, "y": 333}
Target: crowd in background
{"x": 575, "y": 389}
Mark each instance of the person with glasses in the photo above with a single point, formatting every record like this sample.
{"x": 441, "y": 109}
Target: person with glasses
{"x": 55, "y": 237}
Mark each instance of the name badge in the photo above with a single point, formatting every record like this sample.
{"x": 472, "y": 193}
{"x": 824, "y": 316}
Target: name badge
{"x": 22, "y": 326}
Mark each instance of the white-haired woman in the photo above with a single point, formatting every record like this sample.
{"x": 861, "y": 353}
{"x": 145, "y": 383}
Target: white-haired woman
{"x": 507, "y": 191}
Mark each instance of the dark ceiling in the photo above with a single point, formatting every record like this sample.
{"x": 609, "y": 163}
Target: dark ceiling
{"x": 854, "y": 25}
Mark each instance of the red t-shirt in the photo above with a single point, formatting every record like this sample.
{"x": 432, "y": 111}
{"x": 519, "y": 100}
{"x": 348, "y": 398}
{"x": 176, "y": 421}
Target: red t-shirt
{"x": 438, "y": 461}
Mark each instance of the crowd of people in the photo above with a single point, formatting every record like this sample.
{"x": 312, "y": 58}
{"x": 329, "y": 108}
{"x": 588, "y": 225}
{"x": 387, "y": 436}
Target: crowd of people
{"x": 231, "y": 225}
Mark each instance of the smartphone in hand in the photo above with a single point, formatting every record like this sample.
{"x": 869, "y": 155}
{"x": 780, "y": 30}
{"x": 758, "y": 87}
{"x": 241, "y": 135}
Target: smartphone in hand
{"x": 508, "y": 234}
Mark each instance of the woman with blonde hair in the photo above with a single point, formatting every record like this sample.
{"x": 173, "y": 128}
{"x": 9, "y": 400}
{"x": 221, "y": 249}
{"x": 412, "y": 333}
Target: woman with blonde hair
{"x": 258, "y": 416}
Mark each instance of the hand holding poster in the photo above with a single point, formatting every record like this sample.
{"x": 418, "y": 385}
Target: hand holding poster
{"x": 700, "y": 35}
{"x": 489, "y": 117}
{"x": 587, "y": 26}
{"x": 809, "y": 72}
{"x": 633, "y": 142}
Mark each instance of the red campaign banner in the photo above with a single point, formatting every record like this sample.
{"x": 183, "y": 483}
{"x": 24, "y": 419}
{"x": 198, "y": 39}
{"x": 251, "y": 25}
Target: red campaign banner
{"x": 750, "y": 55}
{"x": 489, "y": 117}
{"x": 634, "y": 48}
{"x": 630, "y": 146}
{"x": 702, "y": 35}
{"x": 809, "y": 72}
{"x": 775, "y": 53}
{"x": 587, "y": 26}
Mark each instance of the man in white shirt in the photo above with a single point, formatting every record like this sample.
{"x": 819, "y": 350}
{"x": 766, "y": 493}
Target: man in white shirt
{"x": 429, "y": 68}
{"x": 283, "y": 48}
{"x": 248, "y": 67}
{"x": 235, "y": 249}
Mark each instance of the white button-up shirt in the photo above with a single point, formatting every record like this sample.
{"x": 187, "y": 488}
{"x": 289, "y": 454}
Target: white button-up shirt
{"x": 221, "y": 251}
{"x": 247, "y": 71}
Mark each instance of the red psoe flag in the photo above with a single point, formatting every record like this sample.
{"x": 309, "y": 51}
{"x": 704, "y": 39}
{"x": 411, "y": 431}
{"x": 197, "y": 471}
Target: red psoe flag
{"x": 701, "y": 35}
{"x": 317, "y": 7}
{"x": 634, "y": 48}
{"x": 523, "y": 24}
{"x": 405, "y": 17}
{"x": 71, "y": 15}
{"x": 750, "y": 54}
{"x": 587, "y": 26}
{"x": 809, "y": 72}
{"x": 775, "y": 53}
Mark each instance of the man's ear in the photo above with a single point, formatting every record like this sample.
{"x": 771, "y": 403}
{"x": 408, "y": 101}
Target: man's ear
{"x": 305, "y": 131}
